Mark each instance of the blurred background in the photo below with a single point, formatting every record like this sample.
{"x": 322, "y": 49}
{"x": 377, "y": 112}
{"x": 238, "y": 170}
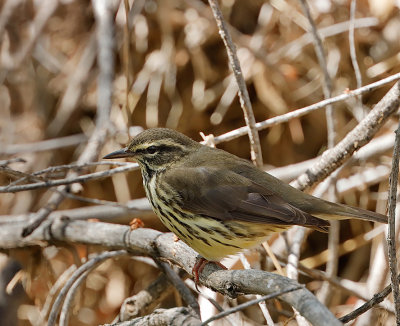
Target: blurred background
{"x": 171, "y": 70}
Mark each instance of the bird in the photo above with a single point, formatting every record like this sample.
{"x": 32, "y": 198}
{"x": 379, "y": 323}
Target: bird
{"x": 218, "y": 203}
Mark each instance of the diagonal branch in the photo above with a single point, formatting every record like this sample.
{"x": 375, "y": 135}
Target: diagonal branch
{"x": 303, "y": 111}
{"x": 354, "y": 140}
{"x": 256, "y": 154}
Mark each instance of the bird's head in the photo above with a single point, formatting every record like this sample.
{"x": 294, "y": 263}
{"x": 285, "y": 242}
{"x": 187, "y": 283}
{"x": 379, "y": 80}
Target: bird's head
{"x": 157, "y": 148}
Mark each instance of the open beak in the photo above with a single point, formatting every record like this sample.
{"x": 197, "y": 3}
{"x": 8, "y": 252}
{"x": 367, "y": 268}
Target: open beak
{"x": 119, "y": 154}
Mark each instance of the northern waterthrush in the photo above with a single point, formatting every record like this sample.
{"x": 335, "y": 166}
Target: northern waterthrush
{"x": 218, "y": 203}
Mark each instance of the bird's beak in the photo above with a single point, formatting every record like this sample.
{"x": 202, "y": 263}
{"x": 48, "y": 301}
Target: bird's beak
{"x": 119, "y": 154}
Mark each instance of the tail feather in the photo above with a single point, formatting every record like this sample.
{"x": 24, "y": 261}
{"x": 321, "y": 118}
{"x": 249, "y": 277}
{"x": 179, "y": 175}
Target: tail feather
{"x": 342, "y": 212}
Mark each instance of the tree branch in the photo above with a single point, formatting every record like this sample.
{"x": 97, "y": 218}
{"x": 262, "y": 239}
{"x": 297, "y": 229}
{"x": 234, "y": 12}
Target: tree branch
{"x": 153, "y": 243}
{"x": 354, "y": 140}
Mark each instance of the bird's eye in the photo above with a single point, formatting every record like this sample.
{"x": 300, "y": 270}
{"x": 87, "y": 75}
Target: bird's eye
{"x": 151, "y": 149}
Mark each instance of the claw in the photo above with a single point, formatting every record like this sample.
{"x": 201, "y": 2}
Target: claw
{"x": 199, "y": 266}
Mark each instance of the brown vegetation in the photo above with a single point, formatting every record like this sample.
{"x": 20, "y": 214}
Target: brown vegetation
{"x": 168, "y": 67}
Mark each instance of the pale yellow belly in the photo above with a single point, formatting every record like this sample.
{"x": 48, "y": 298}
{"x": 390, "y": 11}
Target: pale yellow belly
{"x": 214, "y": 239}
{"x": 226, "y": 239}
{"x": 211, "y": 238}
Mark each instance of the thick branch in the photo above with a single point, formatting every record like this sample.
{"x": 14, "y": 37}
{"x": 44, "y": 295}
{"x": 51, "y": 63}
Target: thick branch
{"x": 153, "y": 243}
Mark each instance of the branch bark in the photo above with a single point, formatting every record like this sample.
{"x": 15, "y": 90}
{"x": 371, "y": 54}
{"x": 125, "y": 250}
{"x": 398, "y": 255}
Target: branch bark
{"x": 354, "y": 140}
{"x": 164, "y": 317}
{"x": 156, "y": 244}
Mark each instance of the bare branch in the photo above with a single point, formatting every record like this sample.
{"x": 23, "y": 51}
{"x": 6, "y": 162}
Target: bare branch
{"x": 256, "y": 154}
{"x": 164, "y": 317}
{"x": 76, "y": 277}
{"x": 66, "y": 307}
{"x": 354, "y": 140}
{"x": 353, "y": 53}
{"x": 136, "y": 208}
{"x": 53, "y": 291}
{"x": 70, "y": 179}
{"x": 146, "y": 300}
{"x": 44, "y": 145}
{"x": 46, "y": 10}
{"x": 303, "y": 111}
{"x": 391, "y": 235}
{"x": 377, "y": 298}
{"x": 261, "y": 304}
{"x": 104, "y": 15}
{"x": 248, "y": 304}
{"x": 331, "y": 266}
{"x": 156, "y": 244}
{"x": 183, "y": 290}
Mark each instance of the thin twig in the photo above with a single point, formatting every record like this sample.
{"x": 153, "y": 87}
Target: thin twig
{"x": 34, "y": 177}
{"x": 358, "y": 110}
{"x": 13, "y": 61}
{"x": 353, "y": 54}
{"x": 104, "y": 16}
{"x": 248, "y": 304}
{"x": 44, "y": 145}
{"x": 256, "y": 154}
{"x": 78, "y": 77}
{"x": 303, "y": 111}
{"x": 12, "y": 160}
{"x": 355, "y": 139}
{"x": 54, "y": 289}
{"x": 64, "y": 314}
{"x": 293, "y": 49}
{"x": 391, "y": 236}
{"x": 145, "y": 300}
{"x": 327, "y": 85}
{"x": 88, "y": 266}
{"x": 326, "y": 291}
{"x": 377, "y": 298}
{"x": 70, "y": 179}
{"x": 59, "y": 168}
{"x": 298, "y": 234}
{"x": 331, "y": 266}
{"x": 37, "y": 219}
{"x": 185, "y": 293}
{"x": 261, "y": 304}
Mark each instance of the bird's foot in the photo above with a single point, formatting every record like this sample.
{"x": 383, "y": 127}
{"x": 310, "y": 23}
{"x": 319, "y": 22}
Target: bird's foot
{"x": 199, "y": 266}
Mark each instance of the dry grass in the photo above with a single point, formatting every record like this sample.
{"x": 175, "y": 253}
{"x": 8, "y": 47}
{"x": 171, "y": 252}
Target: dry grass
{"x": 171, "y": 70}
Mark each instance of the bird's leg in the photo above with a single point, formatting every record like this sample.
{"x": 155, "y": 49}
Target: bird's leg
{"x": 199, "y": 266}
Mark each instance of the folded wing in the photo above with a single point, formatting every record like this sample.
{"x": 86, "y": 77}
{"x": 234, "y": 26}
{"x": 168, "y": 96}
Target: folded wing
{"x": 226, "y": 195}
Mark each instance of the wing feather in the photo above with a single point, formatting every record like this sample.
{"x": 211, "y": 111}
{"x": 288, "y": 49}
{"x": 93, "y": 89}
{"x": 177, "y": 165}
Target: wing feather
{"x": 226, "y": 195}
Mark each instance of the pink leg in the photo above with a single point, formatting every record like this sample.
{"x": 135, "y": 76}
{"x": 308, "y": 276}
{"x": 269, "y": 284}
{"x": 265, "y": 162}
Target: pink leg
{"x": 199, "y": 266}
